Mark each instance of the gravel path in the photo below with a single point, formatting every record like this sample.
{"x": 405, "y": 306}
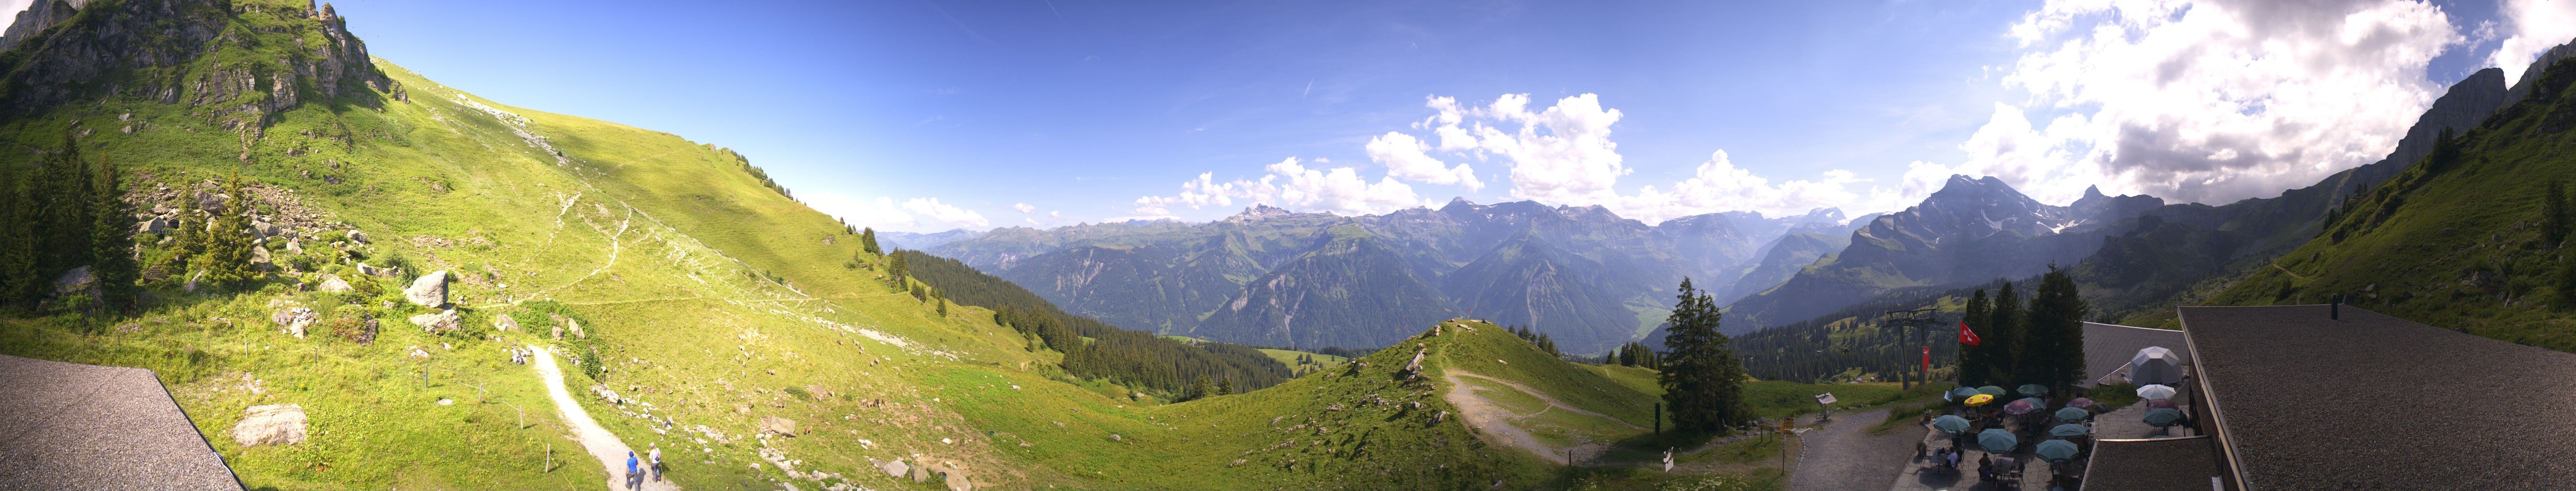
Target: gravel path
{"x": 1843, "y": 456}
{"x": 597, "y": 440}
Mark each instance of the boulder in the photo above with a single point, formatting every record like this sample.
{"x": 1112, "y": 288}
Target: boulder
{"x": 357, "y": 236}
{"x": 260, "y": 259}
{"x": 575, "y": 326}
{"x": 778, "y": 425}
{"x": 264, "y": 229}
{"x": 428, "y": 291}
{"x": 274, "y": 424}
{"x": 77, "y": 280}
{"x": 153, "y": 226}
{"x": 333, "y": 284}
{"x": 438, "y": 323}
{"x": 295, "y": 320}
{"x": 294, "y": 247}
{"x": 558, "y": 333}
{"x": 505, "y": 323}
{"x": 895, "y": 468}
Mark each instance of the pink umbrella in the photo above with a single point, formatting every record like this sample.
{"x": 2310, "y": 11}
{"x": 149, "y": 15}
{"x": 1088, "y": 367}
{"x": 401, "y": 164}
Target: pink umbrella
{"x": 2024, "y": 406}
{"x": 2080, "y": 402}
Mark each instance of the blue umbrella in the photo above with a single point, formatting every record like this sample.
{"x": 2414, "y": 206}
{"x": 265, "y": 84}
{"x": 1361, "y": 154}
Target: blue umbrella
{"x": 1997, "y": 440}
{"x": 2069, "y": 429}
{"x": 2072, "y": 414}
{"x": 2057, "y": 450}
{"x": 2163, "y": 417}
{"x": 1950, "y": 423}
{"x": 1962, "y": 393}
{"x": 2032, "y": 389}
{"x": 1991, "y": 390}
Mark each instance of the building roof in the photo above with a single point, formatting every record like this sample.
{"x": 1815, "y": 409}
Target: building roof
{"x": 75, "y": 426}
{"x": 2176, "y": 464}
{"x": 2107, "y": 347}
{"x": 2370, "y": 401}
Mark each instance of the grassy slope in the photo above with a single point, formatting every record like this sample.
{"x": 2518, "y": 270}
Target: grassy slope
{"x": 2456, "y": 245}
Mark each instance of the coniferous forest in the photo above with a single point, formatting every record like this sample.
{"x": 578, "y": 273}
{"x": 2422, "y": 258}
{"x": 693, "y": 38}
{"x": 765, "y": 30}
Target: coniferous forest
{"x": 67, "y": 212}
{"x": 1137, "y": 358}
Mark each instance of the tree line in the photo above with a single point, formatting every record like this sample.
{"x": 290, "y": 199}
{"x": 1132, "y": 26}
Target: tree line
{"x": 2039, "y": 342}
{"x": 61, "y": 213}
{"x": 1134, "y": 358}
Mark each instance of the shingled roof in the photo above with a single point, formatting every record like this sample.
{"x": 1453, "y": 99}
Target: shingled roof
{"x": 2176, "y": 464}
{"x": 2371, "y": 401}
{"x": 2107, "y": 347}
{"x": 75, "y": 426}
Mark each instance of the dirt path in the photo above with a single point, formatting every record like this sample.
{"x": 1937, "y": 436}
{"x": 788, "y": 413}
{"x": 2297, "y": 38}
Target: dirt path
{"x": 1842, "y": 455}
{"x": 1497, "y": 422}
{"x": 598, "y": 441}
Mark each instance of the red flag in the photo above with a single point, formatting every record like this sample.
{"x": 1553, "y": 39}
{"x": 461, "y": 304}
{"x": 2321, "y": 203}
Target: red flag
{"x": 1966, "y": 337}
{"x": 1927, "y": 359}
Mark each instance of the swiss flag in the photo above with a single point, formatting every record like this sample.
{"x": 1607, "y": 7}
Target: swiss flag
{"x": 1966, "y": 337}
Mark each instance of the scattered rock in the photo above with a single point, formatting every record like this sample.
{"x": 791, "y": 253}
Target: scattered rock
{"x": 261, "y": 259}
{"x": 295, "y": 320}
{"x": 152, "y": 226}
{"x": 357, "y": 236}
{"x": 778, "y": 425}
{"x": 558, "y": 333}
{"x": 76, "y": 280}
{"x": 333, "y": 284}
{"x": 1115, "y": 438}
{"x": 274, "y": 424}
{"x": 506, "y": 323}
{"x": 446, "y": 402}
{"x": 575, "y": 326}
{"x": 417, "y": 353}
{"x": 895, "y": 468}
{"x": 428, "y": 291}
{"x": 438, "y": 323}
{"x": 294, "y": 247}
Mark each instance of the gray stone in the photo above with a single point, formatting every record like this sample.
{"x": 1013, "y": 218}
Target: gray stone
{"x": 778, "y": 425}
{"x": 428, "y": 291}
{"x": 295, "y": 320}
{"x": 357, "y": 236}
{"x": 261, "y": 259}
{"x": 438, "y": 323}
{"x": 152, "y": 226}
{"x": 294, "y": 247}
{"x": 895, "y": 468}
{"x": 76, "y": 280}
{"x": 505, "y": 323}
{"x": 333, "y": 284}
{"x": 274, "y": 424}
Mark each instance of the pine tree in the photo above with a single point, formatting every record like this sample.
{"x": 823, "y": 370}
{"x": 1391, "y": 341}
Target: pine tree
{"x": 868, "y": 241}
{"x": 21, "y": 286}
{"x": 1703, "y": 381}
{"x": 2554, "y": 218}
{"x": 227, "y": 247}
{"x": 1972, "y": 358}
{"x": 2003, "y": 346}
{"x": 895, "y": 273}
{"x": 112, "y": 241}
{"x": 1225, "y": 386}
{"x": 190, "y": 236}
{"x": 1202, "y": 389}
{"x": 2053, "y": 346}
{"x": 943, "y": 306}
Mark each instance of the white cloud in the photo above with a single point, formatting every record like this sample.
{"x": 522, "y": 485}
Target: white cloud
{"x": 9, "y": 10}
{"x": 2208, "y": 101}
{"x": 884, "y": 213}
{"x": 1718, "y": 185}
{"x": 2534, "y": 27}
{"x": 1024, "y": 207}
{"x": 1405, "y": 158}
{"x": 1293, "y": 185}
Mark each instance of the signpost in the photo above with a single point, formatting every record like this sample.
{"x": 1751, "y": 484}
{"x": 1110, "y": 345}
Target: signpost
{"x": 1826, "y": 402}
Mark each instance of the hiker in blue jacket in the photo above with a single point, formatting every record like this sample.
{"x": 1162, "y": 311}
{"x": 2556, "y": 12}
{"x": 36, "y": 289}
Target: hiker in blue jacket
{"x": 632, "y": 478}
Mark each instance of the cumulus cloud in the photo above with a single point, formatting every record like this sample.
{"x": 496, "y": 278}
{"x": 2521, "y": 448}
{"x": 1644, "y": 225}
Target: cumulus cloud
{"x": 1290, "y": 183}
{"x": 1024, "y": 207}
{"x": 1405, "y": 157}
{"x": 2534, "y": 26}
{"x": 1717, "y": 184}
{"x": 884, "y": 213}
{"x": 2208, "y": 101}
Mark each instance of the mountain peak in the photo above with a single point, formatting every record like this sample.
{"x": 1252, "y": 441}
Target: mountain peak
{"x": 1259, "y": 211}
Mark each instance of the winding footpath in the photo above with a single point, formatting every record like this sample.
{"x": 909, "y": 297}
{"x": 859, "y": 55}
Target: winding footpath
{"x": 598, "y": 441}
{"x": 1842, "y": 455}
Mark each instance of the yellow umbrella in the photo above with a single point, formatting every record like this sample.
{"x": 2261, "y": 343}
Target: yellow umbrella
{"x": 1980, "y": 399}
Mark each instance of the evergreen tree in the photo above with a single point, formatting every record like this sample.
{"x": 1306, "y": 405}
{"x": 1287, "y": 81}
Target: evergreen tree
{"x": 943, "y": 306}
{"x": 895, "y": 272}
{"x": 1703, "y": 382}
{"x": 2053, "y": 341}
{"x": 21, "y": 285}
{"x": 868, "y": 240}
{"x": 227, "y": 247}
{"x": 112, "y": 241}
{"x": 2002, "y": 348}
{"x": 1202, "y": 389}
{"x": 2553, "y": 202}
{"x": 1972, "y": 358}
{"x": 1225, "y": 386}
{"x": 60, "y": 193}
{"x": 190, "y": 236}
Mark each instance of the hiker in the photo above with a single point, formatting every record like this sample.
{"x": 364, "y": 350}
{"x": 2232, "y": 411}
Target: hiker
{"x": 655, "y": 458}
{"x": 633, "y": 480}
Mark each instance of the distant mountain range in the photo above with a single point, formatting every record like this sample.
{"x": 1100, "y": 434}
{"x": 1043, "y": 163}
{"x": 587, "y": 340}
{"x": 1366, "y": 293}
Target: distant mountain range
{"x": 1588, "y": 277}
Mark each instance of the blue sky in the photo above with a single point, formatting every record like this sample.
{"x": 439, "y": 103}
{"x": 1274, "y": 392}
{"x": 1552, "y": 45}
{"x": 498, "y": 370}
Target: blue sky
{"x": 926, "y": 115}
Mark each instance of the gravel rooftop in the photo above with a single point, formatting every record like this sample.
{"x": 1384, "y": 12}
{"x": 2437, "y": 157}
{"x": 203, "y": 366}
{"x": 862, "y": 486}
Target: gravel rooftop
{"x": 2175, "y": 464}
{"x": 2377, "y": 402}
{"x": 69, "y": 426}
{"x": 2107, "y": 347}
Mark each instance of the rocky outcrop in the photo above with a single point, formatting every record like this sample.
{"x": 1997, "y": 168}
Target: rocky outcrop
{"x": 295, "y": 320}
{"x": 777, "y": 425}
{"x": 274, "y": 424}
{"x": 77, "y": 280}
{"x": 428, "y": 291}
{"x": 151, "y": 50}
{"x": 439, "y": 323}
{"x": 40, "y": 15}
{"x": 505, "y": 323}
{"x": 2522, "y": 88}
{"x": 333, "y": 284}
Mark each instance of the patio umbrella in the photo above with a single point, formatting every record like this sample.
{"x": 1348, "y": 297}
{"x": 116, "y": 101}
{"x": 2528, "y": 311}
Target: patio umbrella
{"x": 2156, "y": 391}
{"x": 2070, "y": 429}
{"x": 2154, "y": 365}
{"x": 2080, "y": 402}
{"x": 1997, "y": 440}
{"x": 2023, "y": 406}
{"x": 2032, "y": 389}
{"x": 2163, "y": 417}
{"x": 1980, "y": 399}
{"x": 1950, "y": 423}
{"x": 2072, "y": 414}
{"x": 2057, "y": 450}
{"x": 1963, "y": 393}
{"x": 1991, "y": 390}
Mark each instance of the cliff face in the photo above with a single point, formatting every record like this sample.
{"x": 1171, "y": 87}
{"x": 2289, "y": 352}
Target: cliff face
{"x": 196, "y": 52}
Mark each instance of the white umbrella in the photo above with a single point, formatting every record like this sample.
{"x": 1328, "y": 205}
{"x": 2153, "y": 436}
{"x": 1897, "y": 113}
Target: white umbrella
{"x": 2155, "y": 365}
{"x": 2156, "y": 391}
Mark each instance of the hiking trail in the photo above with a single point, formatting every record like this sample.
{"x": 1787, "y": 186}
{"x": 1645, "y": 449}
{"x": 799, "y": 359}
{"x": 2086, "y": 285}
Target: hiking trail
{"x": 598, "y": 441}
